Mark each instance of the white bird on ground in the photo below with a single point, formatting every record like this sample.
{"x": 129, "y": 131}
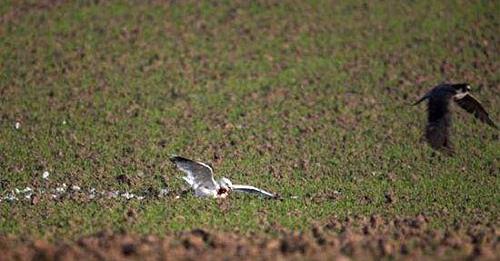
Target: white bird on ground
{"x": 200, "y": 177}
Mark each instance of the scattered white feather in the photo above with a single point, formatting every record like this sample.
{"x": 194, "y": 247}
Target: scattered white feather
{"x": 92, "y": 193}
{"x": 128, "y": 195}
{"x": 10, "y": 197}
{"x": 62, "y": 189}
{"x": 163, "y": 192}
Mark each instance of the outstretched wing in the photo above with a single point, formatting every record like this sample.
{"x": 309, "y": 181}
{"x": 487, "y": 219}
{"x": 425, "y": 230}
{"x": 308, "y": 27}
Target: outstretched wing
{"x": 198, "y": 173}
{"x": 471, "y": 105}
{"x": 252, "y": 190}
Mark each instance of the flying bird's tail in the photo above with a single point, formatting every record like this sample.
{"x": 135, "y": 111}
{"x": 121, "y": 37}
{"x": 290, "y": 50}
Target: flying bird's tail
{"x": 425, "y": 97}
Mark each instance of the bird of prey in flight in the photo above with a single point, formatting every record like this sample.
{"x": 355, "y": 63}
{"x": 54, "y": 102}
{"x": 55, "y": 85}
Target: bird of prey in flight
{"x": 200, "y": 177}
{"x": 437, "y": 131}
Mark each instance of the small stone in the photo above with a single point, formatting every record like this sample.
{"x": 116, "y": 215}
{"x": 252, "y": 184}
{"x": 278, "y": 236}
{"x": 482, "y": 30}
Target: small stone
{"x": 35, "y": 200}
{"x": 128, "y": 249}
{"x": 194, "y": 242}
{"x": 389, "y": 198}
{"x": 273, "y": 244}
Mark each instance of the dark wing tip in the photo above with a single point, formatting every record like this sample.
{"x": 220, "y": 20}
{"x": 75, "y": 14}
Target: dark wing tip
{"x": 175, "y": 159}
{"x": 486, "y": 119}
{"x": 276, "y": 196}
{"x": 473, "y": 106}
{"x": 490, "y": 122}
{"x": 270, "y": 195}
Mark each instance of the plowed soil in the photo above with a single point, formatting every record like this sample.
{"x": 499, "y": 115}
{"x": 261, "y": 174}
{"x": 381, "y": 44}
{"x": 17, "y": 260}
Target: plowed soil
{"x": 361, "y": 238}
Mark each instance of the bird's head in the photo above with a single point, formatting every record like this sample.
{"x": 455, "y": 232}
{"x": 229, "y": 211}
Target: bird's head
{"x": 226, "y": 183}
{"x": 461, "y": 88}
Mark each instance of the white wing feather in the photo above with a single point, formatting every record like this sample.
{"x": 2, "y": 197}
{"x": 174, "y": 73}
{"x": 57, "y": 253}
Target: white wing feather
{"x": 252, "y": 190}
{"x": 198, "y": 174}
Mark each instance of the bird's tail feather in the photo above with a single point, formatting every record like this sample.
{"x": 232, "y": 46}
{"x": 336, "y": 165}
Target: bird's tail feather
{"x": 421, "y": 99}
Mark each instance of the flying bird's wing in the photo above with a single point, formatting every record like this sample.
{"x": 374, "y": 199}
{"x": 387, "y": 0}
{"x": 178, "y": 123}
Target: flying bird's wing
{"x": 252, "y": 190}
{"x": 471, "y": 105}
{"x": 198, "y": 173}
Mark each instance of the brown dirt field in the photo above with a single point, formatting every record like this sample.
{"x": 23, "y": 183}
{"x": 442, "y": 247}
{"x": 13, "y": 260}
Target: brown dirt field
{"x": 360, "y": 238}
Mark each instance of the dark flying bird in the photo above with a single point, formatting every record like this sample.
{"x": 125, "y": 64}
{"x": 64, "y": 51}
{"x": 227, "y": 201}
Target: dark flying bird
{"x": 437, "y": 131}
